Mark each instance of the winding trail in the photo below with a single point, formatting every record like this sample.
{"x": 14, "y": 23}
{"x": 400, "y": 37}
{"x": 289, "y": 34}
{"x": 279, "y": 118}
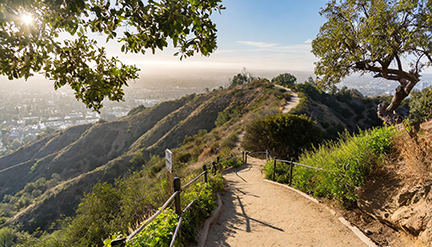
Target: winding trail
{"x": 256, "y": 212}
{"x": 294, "y": 101}
{"x": 259, "y": 213}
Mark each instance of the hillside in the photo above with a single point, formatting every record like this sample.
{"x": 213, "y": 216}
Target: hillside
{"x": 48, "y": 177}
{"x": 399, "y": 195}
{"x": 341, "y": 109}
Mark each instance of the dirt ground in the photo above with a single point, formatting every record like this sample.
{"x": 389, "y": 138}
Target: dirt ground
{"x": 259, "y": 213}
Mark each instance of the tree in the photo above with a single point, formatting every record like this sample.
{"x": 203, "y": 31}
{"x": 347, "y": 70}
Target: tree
{"x": 53, "y": 38}
{"x": 242, "y": 78}
{"x": 7, "y": 237}
{"x": 374, "y": 37}
{"x": 286, "y": 80}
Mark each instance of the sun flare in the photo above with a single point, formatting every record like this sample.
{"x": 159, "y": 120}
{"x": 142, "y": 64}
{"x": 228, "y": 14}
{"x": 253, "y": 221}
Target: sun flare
{"x": 27, "y": 18}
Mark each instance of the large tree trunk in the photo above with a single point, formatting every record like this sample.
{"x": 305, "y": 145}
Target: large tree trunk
{"x": 387, "y": 112}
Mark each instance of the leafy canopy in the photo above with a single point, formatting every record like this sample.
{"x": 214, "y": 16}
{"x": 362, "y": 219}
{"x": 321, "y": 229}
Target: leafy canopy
{"x": 373, "y": 36}
{"x": 52, "y": 37}
{"x": 286, "y": 80}
{"x": 242, "y": 78}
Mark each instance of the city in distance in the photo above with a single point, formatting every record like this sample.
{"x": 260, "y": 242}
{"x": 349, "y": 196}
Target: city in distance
{"x": 30, "y": 108}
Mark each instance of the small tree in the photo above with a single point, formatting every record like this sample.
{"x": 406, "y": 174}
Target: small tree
{"x": 284, "y": 135}
{"x": 286, "y": 80}
{"x": 241, "y": 78}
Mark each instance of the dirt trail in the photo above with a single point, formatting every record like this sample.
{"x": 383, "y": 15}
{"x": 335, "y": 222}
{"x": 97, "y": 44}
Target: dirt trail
{"x": 259, "y": 213}
{"x": 293, "y": 101}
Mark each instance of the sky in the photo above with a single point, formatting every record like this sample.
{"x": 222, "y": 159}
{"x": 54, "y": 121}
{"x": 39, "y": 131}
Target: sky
{"x": 264, "y": 35}
{"x": 252, "y": 34}
{"x": 267, "y": 37}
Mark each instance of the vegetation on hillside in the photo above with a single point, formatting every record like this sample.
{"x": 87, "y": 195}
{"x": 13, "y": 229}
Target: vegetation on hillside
{"x": 348, "y": 163}
{"x": 421, "y": 105}
{"x": 283, "y": 135}
{"x": 196, "y": 128}
{"x": 340, "y": 109}
{"x": 90, "y": 173}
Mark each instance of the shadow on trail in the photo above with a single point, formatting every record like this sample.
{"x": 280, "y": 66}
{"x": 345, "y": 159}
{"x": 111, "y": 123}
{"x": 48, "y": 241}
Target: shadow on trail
{"x": 234, "y": 217}
{"x": 248, "y": 219}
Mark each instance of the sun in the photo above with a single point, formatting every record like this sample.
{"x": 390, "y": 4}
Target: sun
{"x": 27, "y": 18}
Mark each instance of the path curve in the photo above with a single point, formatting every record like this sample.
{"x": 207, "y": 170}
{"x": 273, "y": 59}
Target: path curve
{"x": 293, "y": 102}
{"x": 257, "y": 213}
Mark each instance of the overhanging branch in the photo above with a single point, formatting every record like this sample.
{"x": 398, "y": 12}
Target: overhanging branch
{"x": 391, "y": 74}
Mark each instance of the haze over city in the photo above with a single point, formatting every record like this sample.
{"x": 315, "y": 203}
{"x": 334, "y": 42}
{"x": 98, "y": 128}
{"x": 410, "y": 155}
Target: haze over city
{"x": 266, "y": 38}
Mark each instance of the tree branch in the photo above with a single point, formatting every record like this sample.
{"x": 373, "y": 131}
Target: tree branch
{"x": 398, "y": 62}
{"x": 391, "y": 74}
{"x": 364, "y": 10}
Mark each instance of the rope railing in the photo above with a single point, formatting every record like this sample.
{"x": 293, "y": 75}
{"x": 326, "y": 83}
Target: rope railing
{"x": 178, "y": 189}
{"x": 153, "y": 217}
{"x": 313, "y": 167}
{"x": 290, "y": 162}
{"x": 193, "y": 180}
{"x": 176, "y": 197}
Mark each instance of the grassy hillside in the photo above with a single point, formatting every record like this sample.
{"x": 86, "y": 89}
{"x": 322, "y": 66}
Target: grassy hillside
{"x": 49, "y": 177}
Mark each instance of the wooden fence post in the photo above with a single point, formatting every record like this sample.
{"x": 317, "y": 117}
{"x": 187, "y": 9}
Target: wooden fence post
{"x": 291, "y": 172}
{"x": 243, "y": 157}
{"x": 177, "y": 187}
{"x": 274, "y": 169}
{"x": 246, "y": 154}
{"x": 205, "y": 174}
{"x": 267, "y": 155}
{"x": 214, "y": 167}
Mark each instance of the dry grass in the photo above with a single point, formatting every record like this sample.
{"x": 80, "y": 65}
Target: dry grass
{"x": 416, "y": 153}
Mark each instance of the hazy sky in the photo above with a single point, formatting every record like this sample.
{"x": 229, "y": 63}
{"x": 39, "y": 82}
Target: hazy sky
{"x": 256, "y": 34}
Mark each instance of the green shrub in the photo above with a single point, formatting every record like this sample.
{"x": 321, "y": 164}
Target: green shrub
{"x": 421, "y": 105}
{"x": 8, "y": 236}
{"x": 201, "y": 209}
{"x": 232, "y": 162}
{"x": 182, "y": 158}
{"x": 284, "y": 135}
{"x": 286, "y": 80}
{"x": 281, "y": 172}
{"x": 158, "y": 233}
